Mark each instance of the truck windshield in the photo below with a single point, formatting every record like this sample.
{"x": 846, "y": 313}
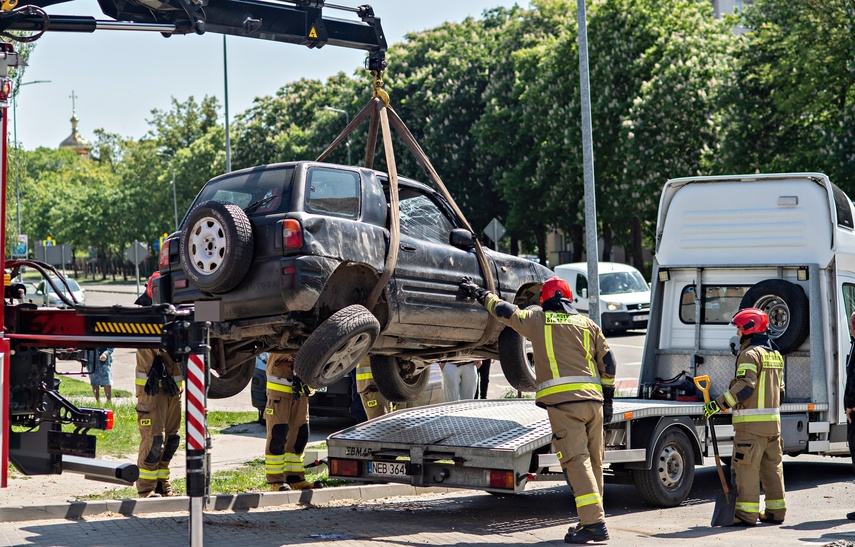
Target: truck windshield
{"x": 258, "y": 191}
{"x": 622, "y": 282}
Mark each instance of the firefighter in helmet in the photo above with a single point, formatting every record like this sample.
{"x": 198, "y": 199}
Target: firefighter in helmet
{"x": 373, "y": 401}
{"x": 755, "y": 397}
{"x": 287, "y": 418}
{"x": 575, "y": 374}
{"x": 159, "y": 383}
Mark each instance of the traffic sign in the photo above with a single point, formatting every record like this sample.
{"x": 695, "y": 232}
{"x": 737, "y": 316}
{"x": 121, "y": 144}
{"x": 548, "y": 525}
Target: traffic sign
{"x": 21, "y": 249}
{"x": 136, "y": 252}
{"x": 49, "y": 242}
{"x": 495, "y": 231}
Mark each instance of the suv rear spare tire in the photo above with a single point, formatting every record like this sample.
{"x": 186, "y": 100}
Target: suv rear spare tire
{"x": 336, "y": 346}
{"x": 216, "y": 246}
{"x": 787, "y": 307}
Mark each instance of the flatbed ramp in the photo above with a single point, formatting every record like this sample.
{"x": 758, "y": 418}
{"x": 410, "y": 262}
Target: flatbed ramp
{"x": 492, "y": 444}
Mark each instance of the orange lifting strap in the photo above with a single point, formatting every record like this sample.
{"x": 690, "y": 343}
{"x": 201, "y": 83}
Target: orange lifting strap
{"x": 381, "y": 113}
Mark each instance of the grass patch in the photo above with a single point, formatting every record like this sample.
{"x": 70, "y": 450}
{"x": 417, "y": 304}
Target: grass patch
{"x": 123, "y": 442}
{"x": 248, "y": 478}
{"x": 124, "y": 439}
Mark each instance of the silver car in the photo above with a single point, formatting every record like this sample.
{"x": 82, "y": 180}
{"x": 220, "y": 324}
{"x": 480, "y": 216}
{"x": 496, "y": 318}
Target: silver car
{"x": 45, "y": 294}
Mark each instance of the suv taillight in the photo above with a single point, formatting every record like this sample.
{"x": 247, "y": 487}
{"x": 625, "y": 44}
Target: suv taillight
{"x": 163, "y": 263}
{"x": 292, "y": 234}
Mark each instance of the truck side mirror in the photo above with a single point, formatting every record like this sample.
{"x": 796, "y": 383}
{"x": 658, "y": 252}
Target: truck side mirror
{"x": 462, "y": 239}
{"x": 583, "y": 293}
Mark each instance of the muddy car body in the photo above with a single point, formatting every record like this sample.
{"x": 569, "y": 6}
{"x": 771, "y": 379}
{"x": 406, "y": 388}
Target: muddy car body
{"x": 288, "y": 254}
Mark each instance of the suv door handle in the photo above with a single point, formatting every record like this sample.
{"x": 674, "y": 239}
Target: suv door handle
{"x": 408, "y": 248}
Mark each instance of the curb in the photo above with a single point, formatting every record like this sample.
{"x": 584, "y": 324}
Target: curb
{"x": 228, "y": 502}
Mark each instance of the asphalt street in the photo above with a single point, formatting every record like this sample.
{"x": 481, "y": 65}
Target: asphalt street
{"x": 819, "y": 494}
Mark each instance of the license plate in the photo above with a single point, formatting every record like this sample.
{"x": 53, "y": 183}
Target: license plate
{"x": 387, "y": 469}
{"x": 641, "y": 317}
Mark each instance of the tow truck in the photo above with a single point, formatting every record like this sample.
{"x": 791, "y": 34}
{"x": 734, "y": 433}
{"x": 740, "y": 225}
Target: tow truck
{"x": 784, "y": 243}
{"x": 32, "y": 338}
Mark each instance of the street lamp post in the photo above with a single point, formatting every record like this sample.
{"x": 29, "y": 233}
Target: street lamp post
{"x": 347, "y": 122}
{"x": 15, "y": 138}
{"x": 174, "y": 195}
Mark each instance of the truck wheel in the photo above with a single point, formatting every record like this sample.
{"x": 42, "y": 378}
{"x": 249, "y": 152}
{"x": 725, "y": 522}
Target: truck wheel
{"x": 232, "y": 382}
{"x": 668, "y": 481}
{"x": 336, "y": 346}
{"x": 787, "y": 307}
{"x": 516, "y": 358}
{"x": 216, "y": 246}
{"x": 397, "y": 380}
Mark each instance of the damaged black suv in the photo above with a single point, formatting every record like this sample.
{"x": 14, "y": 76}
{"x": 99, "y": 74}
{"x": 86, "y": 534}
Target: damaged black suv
{"x": 291, "y": 257}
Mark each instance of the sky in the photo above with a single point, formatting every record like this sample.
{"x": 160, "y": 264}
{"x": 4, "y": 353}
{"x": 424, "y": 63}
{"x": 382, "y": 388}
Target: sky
{"x": 118, "y": 77}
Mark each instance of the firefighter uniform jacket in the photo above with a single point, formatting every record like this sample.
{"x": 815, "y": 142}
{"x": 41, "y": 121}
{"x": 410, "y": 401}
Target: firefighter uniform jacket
{"x": 563, "y": 372}
{"x": 755, "y": 392}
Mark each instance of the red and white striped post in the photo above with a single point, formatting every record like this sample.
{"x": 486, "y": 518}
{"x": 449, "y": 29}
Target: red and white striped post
{"x": 196, "y": 426}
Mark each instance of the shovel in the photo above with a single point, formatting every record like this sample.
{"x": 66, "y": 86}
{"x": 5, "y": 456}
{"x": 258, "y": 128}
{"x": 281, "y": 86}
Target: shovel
{"x": 725, "y": 501}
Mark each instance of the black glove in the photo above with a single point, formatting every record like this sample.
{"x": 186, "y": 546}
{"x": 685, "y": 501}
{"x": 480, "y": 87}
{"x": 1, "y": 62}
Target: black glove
{"x": 168, "y": 384}
{"x": 608, "y": 405}
{"x": 155, "y": 374}
{"x": 469, "y": 289}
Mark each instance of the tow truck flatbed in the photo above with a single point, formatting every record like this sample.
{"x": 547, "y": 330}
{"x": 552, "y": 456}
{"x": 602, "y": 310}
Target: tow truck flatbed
{"x": 495, "y": 445}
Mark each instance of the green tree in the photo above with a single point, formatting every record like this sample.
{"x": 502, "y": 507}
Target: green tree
{"x": 791, "y": 106}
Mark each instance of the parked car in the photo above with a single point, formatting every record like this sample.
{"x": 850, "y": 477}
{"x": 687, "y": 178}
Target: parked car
{"x": 340, "y": 400}
{"x": 624, "y": 294}
{"x": 46, "y": 295}
{"x": 292, "y": 256}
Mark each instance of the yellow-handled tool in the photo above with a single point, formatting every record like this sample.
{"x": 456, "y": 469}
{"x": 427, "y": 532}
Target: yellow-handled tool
{"x": 725, "y": 502}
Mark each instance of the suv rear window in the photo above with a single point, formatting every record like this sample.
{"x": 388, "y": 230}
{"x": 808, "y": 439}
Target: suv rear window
{"x": 260, "y": 191}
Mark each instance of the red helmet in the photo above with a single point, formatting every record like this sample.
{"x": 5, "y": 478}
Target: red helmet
{"x": 148, "y": 283}
{"x": 751, "y": 320}
{"x": 554, "y": 286}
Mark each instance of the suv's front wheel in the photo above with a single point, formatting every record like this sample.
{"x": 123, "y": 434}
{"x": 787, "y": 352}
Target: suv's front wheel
{"x": 398, "y": 380}
{"x": 336, "y": 346}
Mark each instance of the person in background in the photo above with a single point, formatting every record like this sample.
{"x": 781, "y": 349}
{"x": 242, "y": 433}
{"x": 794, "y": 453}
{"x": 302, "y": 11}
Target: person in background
{"x": 459, "y": 380}
{"x": 99, "y": 365}
{"x": 287, "y": 418}
{"x": 849, "y": 397}
{"x": 483, "y": 367}
{"x": 575, "y": 372}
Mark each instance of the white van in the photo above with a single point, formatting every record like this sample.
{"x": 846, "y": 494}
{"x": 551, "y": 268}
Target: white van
{"x": 624, "y": 294}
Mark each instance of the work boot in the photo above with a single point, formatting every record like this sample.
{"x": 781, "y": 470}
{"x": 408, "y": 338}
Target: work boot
{"x": 739, "y": 522}
{"x": 587, "y": 532}
{"x": 163, "y": 488}
{"x": 305, "y": 485}
{"x": 149, "y": 494}
{"x": 279, "y": 487}
{"x": 770, "y": 519}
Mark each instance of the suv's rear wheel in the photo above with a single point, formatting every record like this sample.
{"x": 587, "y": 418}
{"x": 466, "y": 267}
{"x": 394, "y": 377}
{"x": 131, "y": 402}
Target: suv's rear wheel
{"x": 216, "y": 246}
{"x": 397, "y": 380}
{"x": 336, "y": 346}
{"x": 223, "y": 386}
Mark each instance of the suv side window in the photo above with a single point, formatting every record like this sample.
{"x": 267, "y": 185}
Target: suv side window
{"x": 333, "y": 192}
{"x": 422, "y": 219}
